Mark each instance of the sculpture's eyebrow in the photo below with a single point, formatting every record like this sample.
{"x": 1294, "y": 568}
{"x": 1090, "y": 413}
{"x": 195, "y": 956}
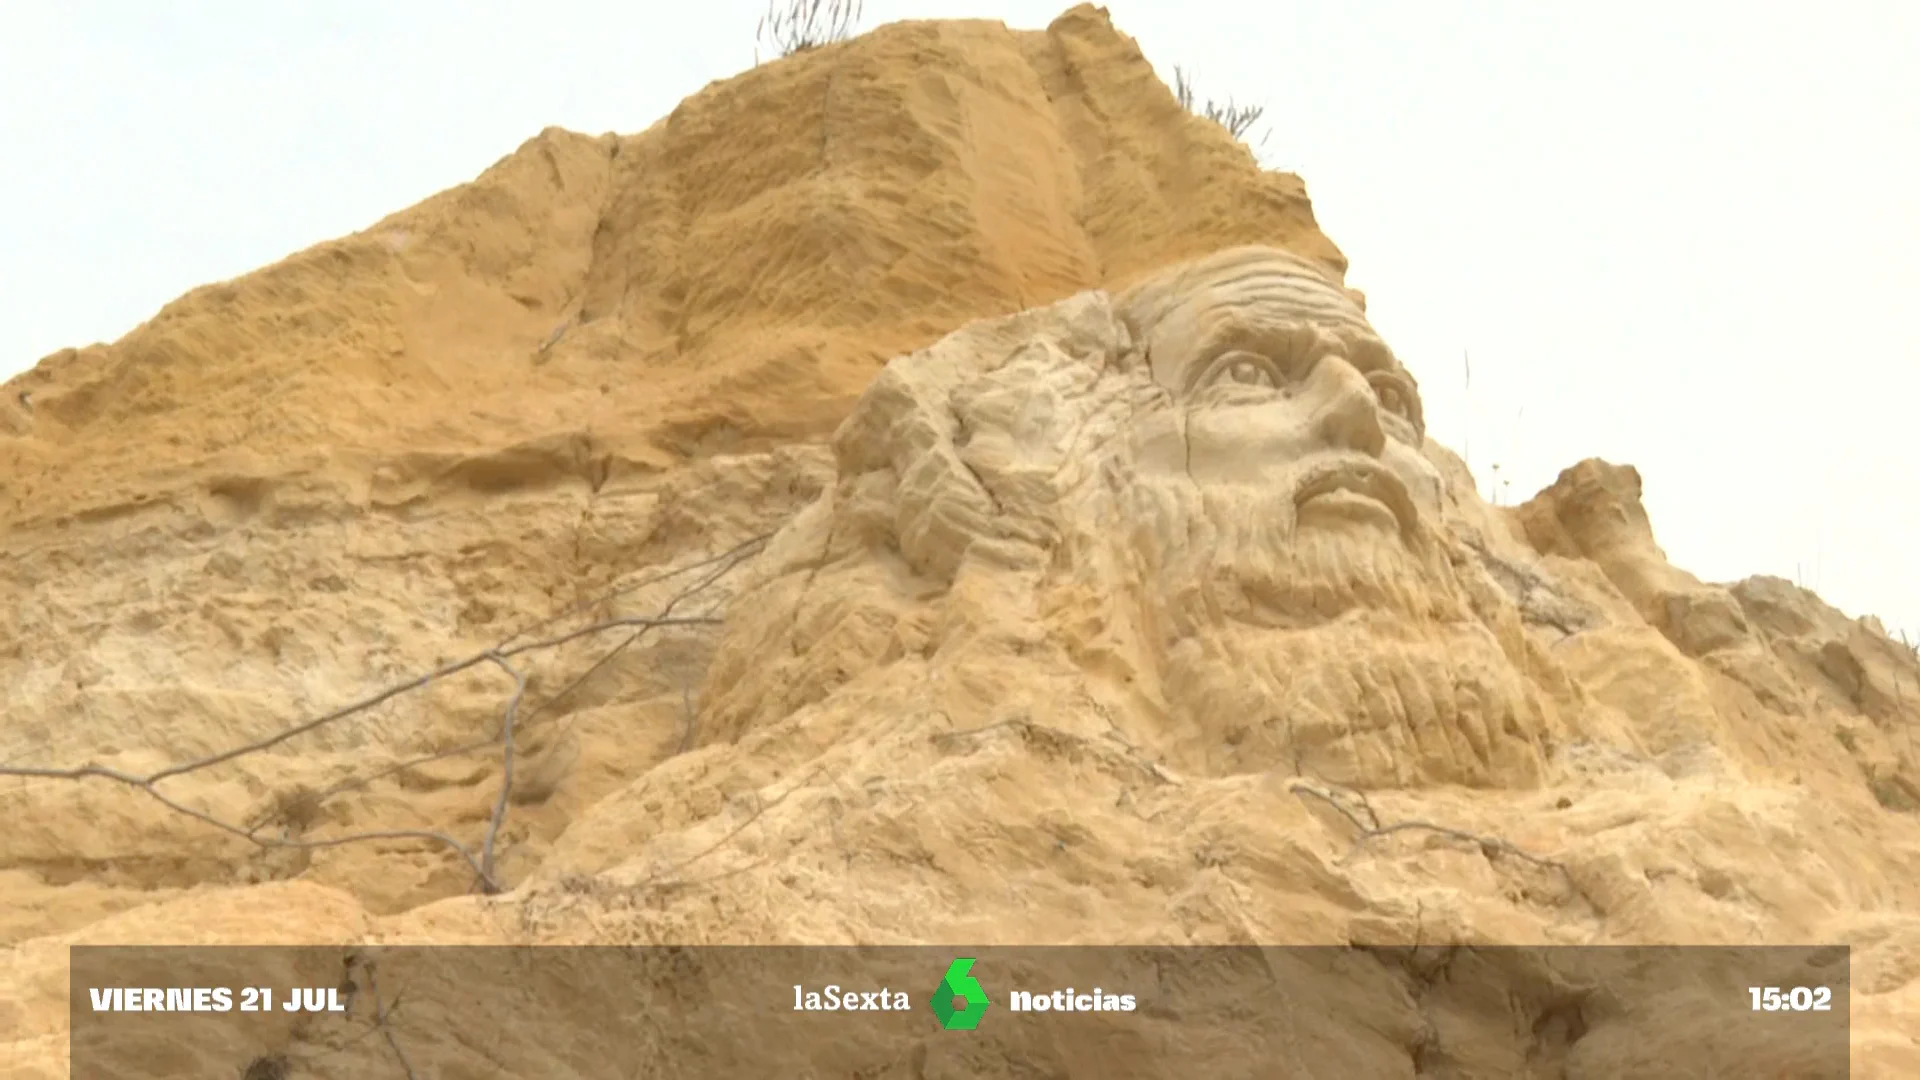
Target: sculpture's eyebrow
{"x": 1234, "y": 335}
{"x": 1368, "y": 354}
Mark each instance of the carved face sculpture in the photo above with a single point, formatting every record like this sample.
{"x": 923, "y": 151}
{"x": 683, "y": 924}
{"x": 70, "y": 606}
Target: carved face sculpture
{"x": 1306, "y": 611}
{"x": 1287, "y": 474}
{"x": 1219, "y": 511}
{"x": 1284, "y": 385}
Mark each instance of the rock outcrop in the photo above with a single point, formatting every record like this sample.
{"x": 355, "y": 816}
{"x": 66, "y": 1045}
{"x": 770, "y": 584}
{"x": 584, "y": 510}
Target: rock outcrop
{"x": 927, "y": 489}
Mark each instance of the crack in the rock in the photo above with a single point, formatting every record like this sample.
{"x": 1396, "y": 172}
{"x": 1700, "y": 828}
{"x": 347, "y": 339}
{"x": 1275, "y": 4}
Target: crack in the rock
{"x": 806, "y": 587}
{"x": 959, "y": 455}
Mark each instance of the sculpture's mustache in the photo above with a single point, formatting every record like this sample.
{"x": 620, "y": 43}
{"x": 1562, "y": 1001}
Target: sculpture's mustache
{"x": 1219, "y": 560}
{"x": 1358, "y": 475}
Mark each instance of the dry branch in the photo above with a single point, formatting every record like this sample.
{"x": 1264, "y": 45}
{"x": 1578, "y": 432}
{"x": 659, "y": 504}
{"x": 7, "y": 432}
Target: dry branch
{"x": 506, "y": 766}
{"x": 1052, "y": 739}
{"x": 732, "y": 557}
{"x": 1490, "y": 846}
{"x": 728, "y": 561}
{"x": 759, "y": 808}
{"x": 499, "y": 656}
{"x": 382, "y": 1017}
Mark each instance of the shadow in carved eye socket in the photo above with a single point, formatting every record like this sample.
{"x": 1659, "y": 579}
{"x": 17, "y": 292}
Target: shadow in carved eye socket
{"x": 1397, "y": 396}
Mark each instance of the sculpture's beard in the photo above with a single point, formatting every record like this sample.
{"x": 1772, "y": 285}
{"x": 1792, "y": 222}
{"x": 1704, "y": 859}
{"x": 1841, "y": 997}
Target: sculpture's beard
{"x": 1350, "y": 654}
{"x": 1237, "y": 555}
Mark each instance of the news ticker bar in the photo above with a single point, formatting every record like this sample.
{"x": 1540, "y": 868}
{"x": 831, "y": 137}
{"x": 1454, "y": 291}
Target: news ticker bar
{"x": 1000, "y": 1010}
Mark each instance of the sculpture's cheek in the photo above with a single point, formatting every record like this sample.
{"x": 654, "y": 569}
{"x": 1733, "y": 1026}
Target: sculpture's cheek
{"x": 1246, "y": 443}
{"x": 1160, "y": 443}
{"x": 1423, "y": 480}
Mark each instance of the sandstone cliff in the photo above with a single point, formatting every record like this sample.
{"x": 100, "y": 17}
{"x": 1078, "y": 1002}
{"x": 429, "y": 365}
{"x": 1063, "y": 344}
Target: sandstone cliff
{"x": 985, "y": 644}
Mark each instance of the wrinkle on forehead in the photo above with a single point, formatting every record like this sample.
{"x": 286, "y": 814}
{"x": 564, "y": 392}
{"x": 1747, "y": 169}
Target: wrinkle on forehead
{"x": 1260, "y": 299}
{"x": 1239, "y": 285}
{"x": 1250, "y": 278}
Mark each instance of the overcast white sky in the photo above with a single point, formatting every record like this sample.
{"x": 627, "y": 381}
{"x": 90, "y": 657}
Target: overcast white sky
{"x": 1681, "y": 235}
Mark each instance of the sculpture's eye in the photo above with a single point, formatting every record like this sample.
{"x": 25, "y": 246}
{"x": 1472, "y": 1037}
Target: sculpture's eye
{"x": 1240, "y": 368}
{"x": 1249, "y": 373}
{"x": 1396, "y": 394}
{"x": 1393, "y": 394}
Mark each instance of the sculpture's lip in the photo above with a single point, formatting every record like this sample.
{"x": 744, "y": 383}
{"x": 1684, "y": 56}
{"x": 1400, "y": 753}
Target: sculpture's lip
{"x": 1360, "y": 476}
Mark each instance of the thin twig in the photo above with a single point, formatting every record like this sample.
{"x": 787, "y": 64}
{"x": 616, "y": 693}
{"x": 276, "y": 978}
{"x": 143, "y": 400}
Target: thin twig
{"x": 646, "y": 621}
{"x": 759, "y": 809}
{"x": 1373, "y": 819}
{"x": 1488, "y": 844}
{"x": 145, "y": 784}
{"x": 354, "y": 782}
{"x": 806, "y": 24}
{"x": 731, "y": 559}
{"x": 382, "y": 1013}
{"x": 453, "y": 668}
{"x": 690, "y": 719}
{"x": 1127, "y": 753}
{"x": 506, "y": 767}
{"x": 480, "y": 866}
{"x": 732, "y": 556}
{"x": 1237, "y": 119}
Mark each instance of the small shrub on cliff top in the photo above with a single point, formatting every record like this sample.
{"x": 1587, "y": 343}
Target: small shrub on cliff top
{"x": 792, "y": 26}
{"x": 1237, "y": 119}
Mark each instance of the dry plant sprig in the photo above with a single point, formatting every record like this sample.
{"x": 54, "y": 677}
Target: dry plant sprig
{"x": 1051, "y": 739}
{"x": 759, "y": 807}
{"x": 1371, "y": 829}
{"x": 383, "y": 1020}
{"x": 729, "y": 560}
{"x": 1237, "y": 119}
{"x": 506, "y": 765}
{"x": 482, "y": 864}
{"x": 732, "y": 557}
{"x": 792, "y": 26}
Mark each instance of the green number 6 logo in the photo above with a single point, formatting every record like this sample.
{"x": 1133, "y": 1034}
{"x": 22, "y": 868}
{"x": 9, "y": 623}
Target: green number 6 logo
{"x": 961, "y": 1001}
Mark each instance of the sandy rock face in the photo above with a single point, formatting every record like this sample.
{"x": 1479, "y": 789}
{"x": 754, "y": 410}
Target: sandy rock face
{"x": 1203, "y": 504}
{"x": 1048, "y": 549}
{"x": 1190, "y": 537}
{"x": 521, "y": 401}
{"x": 596, "y": 309}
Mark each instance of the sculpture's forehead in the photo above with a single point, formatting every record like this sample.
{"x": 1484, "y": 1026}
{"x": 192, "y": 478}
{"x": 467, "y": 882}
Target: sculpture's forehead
{"x": 1252, "y": 286}
{"x": 1189, "y": 311}
{"x": 1279, "y": 293}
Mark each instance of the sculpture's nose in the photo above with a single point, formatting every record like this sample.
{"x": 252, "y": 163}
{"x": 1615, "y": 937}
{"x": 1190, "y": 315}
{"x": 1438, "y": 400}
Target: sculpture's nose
{"x": 1346, "y": 412}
